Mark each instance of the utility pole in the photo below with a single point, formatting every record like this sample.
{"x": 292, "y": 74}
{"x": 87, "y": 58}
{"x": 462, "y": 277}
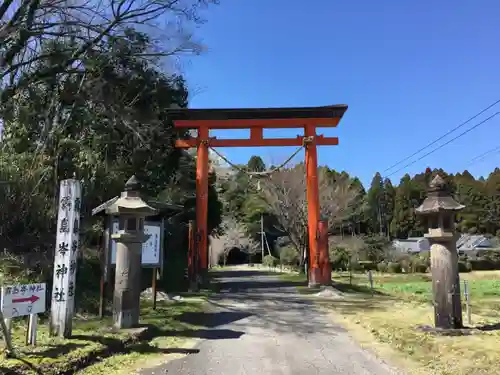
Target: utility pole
{"x": 262, "y": 235}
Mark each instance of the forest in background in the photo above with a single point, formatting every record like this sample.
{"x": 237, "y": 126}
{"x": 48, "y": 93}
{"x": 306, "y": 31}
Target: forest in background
{"x": 362, "y": 220}
{"x": 383, "y": 207}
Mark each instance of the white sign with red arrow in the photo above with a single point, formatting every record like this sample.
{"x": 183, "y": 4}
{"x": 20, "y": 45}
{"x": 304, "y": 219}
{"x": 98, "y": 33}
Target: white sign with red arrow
{"x": 23, "y": 299}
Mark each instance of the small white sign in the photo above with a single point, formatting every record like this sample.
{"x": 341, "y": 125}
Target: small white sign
{"x": 23, "y": 299}
{"x": 150, "y": 249}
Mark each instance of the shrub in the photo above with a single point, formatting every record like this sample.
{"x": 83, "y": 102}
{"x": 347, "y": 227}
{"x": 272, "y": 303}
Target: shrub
{"x": 425, "y": 257}
{"x": 394, "y": 267}
{"x": 367, "y": 265}
{"x": 289, "y": 256}
{"x": 493, "y": 257}
{"x": 464, "y": 266}
{"x": 406, "y": 265}
{"x": 382, "y": 267}
{"x": 270, "y": 261}
{"x": 419, "y": 266}
{"x": 483, "y": 264}
{"x": 355, "y": 266}
{"x": 339, "y": 257}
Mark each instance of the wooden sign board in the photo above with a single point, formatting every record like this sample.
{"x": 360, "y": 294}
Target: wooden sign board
{"x": 151, "y": 249}
{"x": 23, "y": 299}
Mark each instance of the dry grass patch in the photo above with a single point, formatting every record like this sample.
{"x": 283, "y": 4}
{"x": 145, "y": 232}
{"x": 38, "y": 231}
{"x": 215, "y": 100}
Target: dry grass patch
{"x": 394, "y": 325}
{"x": 386, "y": 323}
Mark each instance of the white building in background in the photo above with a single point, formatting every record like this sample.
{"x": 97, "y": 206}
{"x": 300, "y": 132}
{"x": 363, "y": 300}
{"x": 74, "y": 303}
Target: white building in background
{"x": 473, "y": 244}
{"x": 412, "y": 245}
{"x": 466, "y": 244}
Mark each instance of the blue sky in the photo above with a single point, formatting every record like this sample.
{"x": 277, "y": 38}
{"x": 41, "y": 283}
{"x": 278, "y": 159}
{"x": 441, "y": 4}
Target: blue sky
{"x": 409, "y": 71}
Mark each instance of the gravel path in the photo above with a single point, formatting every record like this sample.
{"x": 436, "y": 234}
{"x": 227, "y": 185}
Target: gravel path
{"x": 261, "y": 326}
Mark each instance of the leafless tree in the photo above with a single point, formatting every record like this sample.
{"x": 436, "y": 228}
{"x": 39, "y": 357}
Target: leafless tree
{"x": 26, "y": 25}
{"x": 285, "y": 193}
{"x": 234, "y": 235}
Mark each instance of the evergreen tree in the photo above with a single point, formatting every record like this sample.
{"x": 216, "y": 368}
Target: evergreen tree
{"x": 376, "y": 204}
{"x": 492, "y": 207}
{"x": 256, "y": 164}
{"x": 403, "y": 221}
{"x": 358, "y": 218}
{"x": 470, "y": 193}
{"x": 389, "y": 196}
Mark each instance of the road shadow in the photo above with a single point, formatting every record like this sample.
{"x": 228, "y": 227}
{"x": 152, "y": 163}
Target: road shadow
{"x": 14, "y": 371}
{"x": 241, "y": 273}
{"x": 8, "y": 371}
{"x": 489, "y": 327}
{"x": 301, "y": 319}
{"x": 211, "y": 319}
{"x": 256, "y": 285}
{"x": 234, "y": 281}
{"x": 207, "y": 334}
{"x": 357, "y": 289}
{"x": 352, "y": 306}
{"x": 145, "y": 348}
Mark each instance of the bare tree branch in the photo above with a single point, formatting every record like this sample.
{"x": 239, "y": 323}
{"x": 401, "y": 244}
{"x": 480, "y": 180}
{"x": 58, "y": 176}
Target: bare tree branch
{"x": 32, "y": 22}
{"x": 285, "y": 194}
{"x": 234, "y": 236}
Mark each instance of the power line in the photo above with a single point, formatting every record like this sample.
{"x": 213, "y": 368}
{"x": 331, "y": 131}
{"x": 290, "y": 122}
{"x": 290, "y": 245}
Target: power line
{"x": 444, "y": 144}
{"x": 479, "y": 158}
{"x": 441, "y": 137}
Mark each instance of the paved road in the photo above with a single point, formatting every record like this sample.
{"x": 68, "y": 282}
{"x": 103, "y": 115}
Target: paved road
{"x": 261, "y": 326}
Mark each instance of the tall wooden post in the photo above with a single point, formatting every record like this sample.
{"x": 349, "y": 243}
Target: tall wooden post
{"x": 65, "y": 260}
{"x": 440, "y": 208}
{"x": 202, "y": 197}
{"x": 312, "y": 204}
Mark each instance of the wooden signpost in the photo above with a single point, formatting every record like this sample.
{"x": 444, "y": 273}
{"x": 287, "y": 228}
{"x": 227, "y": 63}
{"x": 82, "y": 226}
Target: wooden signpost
{"x": 22, "y": 300}
{"x": 370, "y": 279}
{"x": 66, "y": 257}
{"x": 467, "y": 302}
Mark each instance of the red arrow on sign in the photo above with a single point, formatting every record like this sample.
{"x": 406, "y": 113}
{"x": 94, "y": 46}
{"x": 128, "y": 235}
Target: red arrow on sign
{"x": 31, "y": 299}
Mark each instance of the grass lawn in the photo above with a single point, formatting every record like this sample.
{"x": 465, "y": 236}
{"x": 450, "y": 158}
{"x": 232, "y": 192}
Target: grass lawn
{"x": 386, "y": 321}
{"x": 94, "y": 341}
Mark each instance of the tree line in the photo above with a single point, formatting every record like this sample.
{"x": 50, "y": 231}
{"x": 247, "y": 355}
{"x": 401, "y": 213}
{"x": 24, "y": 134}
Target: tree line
{"x": 374, "y": 215}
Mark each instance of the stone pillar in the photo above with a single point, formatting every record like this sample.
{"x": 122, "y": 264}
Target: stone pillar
{"x": 446, "y": 285}
{"x": 127, "y": 293}
{"x": 439, "y": 208}
{"x": 131, "y": 211}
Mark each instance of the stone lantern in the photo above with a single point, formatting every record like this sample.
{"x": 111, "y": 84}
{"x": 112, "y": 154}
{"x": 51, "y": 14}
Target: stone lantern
{"x": 131, "y": 211}
{"x": 439, "y": 208}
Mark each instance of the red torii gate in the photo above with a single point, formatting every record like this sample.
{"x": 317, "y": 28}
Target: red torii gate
{"x": 257, "y": 119}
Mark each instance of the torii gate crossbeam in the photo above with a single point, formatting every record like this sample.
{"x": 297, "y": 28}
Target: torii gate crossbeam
{"x": 258, "y": 119}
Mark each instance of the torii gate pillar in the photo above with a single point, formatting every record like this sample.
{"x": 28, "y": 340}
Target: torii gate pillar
{"x": 257, "y": 120}
{"x": 201, "y": 236}
{"x": 312, "y": 205}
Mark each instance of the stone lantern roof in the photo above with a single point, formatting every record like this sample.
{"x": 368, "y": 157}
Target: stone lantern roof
{"x": 438, "y": 199}
{"x": 130, "y": 201}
